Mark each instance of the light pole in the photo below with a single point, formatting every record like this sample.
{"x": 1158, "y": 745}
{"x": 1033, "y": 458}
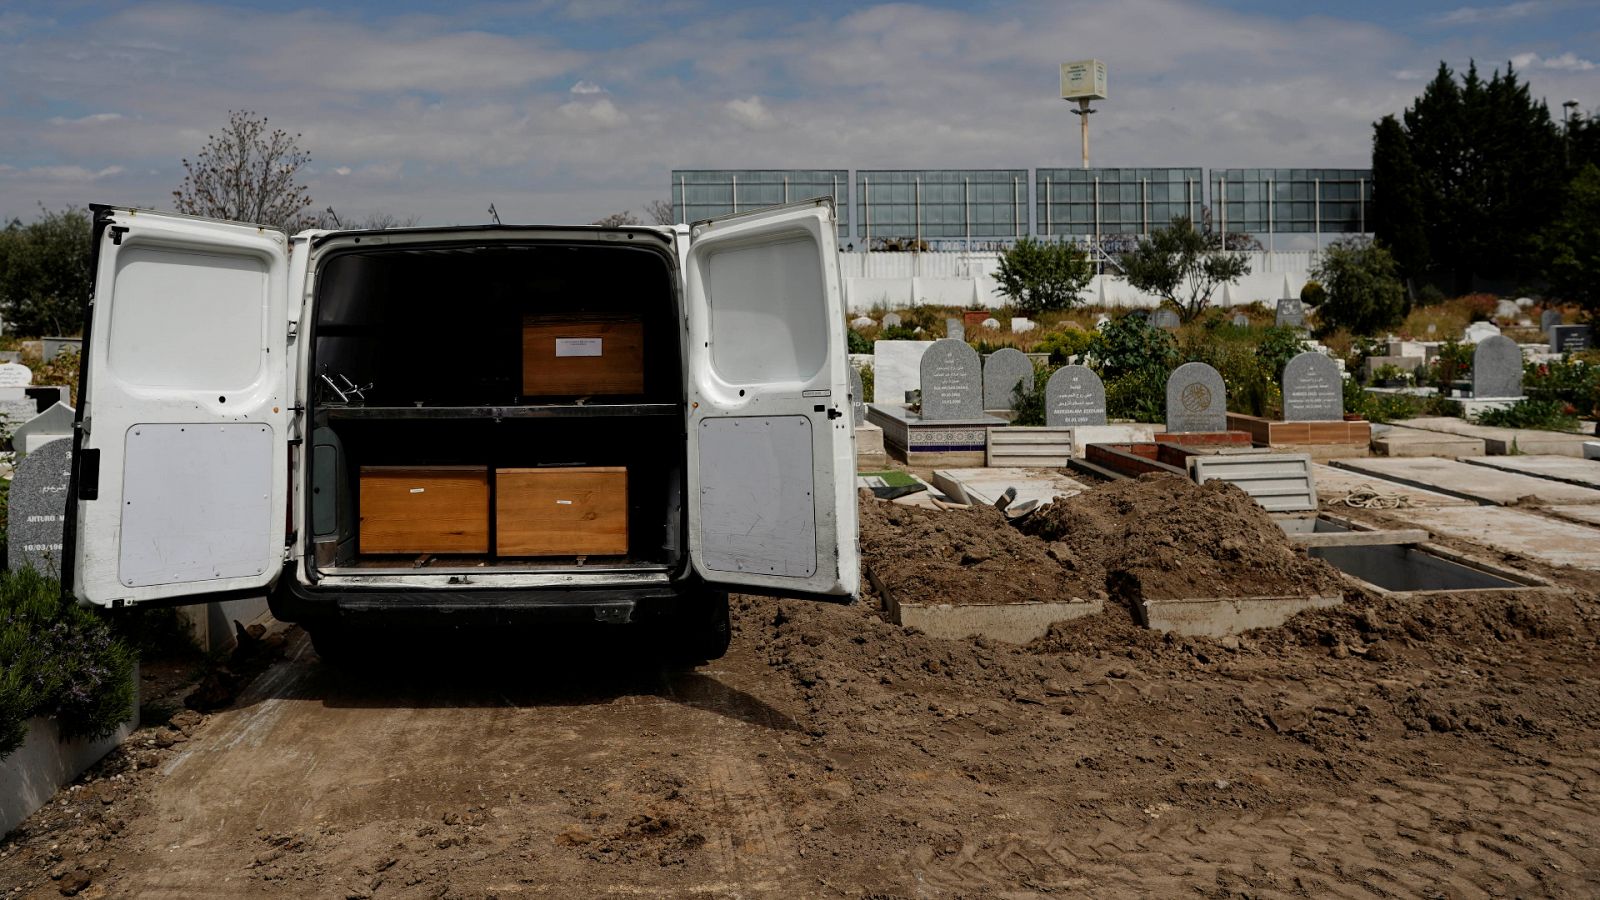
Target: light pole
{"x": 1083, "y": 81}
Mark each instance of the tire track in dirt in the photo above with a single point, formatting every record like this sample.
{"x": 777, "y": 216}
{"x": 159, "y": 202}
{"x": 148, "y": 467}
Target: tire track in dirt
{"x": 1521, "y": 830}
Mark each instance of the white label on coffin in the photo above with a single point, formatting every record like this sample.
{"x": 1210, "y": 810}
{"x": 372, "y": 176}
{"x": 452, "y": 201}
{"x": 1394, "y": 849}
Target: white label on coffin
{"x": 578, "y": 346}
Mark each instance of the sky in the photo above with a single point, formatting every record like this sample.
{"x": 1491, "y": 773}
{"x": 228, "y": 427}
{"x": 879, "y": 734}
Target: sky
{"x": 561, "y": 111}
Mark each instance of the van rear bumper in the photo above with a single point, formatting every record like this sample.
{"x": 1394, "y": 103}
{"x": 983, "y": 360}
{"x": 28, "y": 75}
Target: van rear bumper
{"x": 294, "y": 602}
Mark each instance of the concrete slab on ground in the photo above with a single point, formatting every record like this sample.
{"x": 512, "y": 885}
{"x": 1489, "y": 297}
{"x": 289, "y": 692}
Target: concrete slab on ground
{"x": 1589, "y": 514}
{"x": 1449, "y": 476}
{"x": 1406, "y": 442}
{"x": 1581, "y": 472}
{"x": 1521, "y": 532}
{"x": 1221, "y": 616}
{"x": 1014, "y": 623}
{"x": 922, "y": 498}
{"x": 1334, "y": 484}
{"x": 1502, "y": 441}
{"x": 986, "y": 485}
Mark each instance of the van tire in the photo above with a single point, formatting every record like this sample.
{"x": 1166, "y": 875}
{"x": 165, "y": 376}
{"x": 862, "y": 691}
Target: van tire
{"x": 332, "y": 642}
{"x": 698, "y": 632}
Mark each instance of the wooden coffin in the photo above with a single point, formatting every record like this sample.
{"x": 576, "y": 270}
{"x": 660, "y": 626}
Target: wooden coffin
{"x": 567, "y": 511}
{"x": 424, "y": 509}
{"x": 582, "y": 356}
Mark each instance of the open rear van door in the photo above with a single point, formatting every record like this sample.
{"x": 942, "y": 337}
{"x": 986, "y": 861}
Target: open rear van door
{"x": 772, "y": 505}
{"x": 180, "y": 461}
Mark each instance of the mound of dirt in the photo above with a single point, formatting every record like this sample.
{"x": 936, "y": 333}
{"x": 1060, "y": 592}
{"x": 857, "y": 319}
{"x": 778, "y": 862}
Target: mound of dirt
{"x": 963, "y": 556}
{"x": 1164, "y": 537}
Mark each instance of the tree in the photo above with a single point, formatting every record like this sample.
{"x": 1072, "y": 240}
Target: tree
{"x": 1040, "y": 276}
{"x": 44, "y": 273}
{"x": 1398, "y": 199}
{"x": 1183, "y": 265}
{"x": 1488, "y": 171}
{"x": 617, "y": 220}
{"x": 247, "y": 174}
{"x": 1572, "y": 243}
{"x": 1362, "y": 285}
{"x": 377, "y": 220}
{"x": 660, "y": 212}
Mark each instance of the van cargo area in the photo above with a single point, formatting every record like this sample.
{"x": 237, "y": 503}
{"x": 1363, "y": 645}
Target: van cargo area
{"x": 516, "y": 406}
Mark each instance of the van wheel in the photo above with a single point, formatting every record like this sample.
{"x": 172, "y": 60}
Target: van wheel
{"x": 699, "y": 632}
{"x": 332, "y": 642}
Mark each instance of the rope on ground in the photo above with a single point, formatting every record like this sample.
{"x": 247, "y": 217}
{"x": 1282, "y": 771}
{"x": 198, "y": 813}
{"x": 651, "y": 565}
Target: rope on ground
{"x": 1365, "y": 496}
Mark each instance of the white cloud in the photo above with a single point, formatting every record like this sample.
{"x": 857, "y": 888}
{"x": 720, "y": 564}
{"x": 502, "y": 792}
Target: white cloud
{"x": 342, "y": 170}
{"x": 586, "y": 87}
{"x": 1566, "y": 62}
{"x": 1485, "y": 15}
{"x": 94, "y": 119}
{"x": 749, "y": 112}
{"x": 600, "y": 113}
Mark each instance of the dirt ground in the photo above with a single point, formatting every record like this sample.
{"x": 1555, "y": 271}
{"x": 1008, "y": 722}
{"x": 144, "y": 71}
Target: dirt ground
{"x": 1427, "y": 746}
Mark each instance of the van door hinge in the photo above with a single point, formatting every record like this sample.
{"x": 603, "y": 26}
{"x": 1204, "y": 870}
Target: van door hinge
{"x": 117, "y": 231}
{"x": 294, "y": 330}
{"x": 834, "y": 413}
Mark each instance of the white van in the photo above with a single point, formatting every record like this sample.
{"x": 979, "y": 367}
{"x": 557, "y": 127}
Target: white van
{"x": 243, "y": 391}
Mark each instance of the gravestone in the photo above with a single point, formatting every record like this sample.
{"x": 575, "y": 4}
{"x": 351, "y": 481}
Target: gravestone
{"x": 1497, "y": 368}
{"x": 858, "y": 403}
{"x": 891, "y": 320}
{"x": 38, "y": 508}
{"x": 53, "y": 423}
{"x": 952, "y": 381}
{"x": 55, "y": 346}
{"x": 1570, "y": 338}
{"x": 1549, "y": 319}
{"x": 1241, "y": 321}
{"x": 1001, "y": 372}
{"x": 1477, "y": 331}
{"x": 1505, "y": 309}
{"x": 991, "y": 322}
{"x": 862, "y": 322}
{"x": 896, "y": 369}
{"x": 1291, "y": 313}
{"x": 1074, "y": 396}
{"x": 1313, "y": 391}
{"x": 1165, "y": 318}
{"x": 1021, "y": 324}
{"x": 16, "y": 406}
{"x": 955, "y": 329}
{"x": 1197, "y": 400}
{"x": 10, "y": 356}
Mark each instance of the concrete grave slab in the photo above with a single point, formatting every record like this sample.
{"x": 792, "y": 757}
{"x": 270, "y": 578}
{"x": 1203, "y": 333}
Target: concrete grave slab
{"x": 1335, "y": 484}
{"x": 1516, "y": 531}
{"x": 1581, "y": 472}
{"x": 1586, "y": 514}
{"x": 1502, "y": 441}
{"x": 1449, "y": 476}
{"x": 1220, "y": 616}
{"x": 1401, "y": 441}
{"x": 985, "y": 486}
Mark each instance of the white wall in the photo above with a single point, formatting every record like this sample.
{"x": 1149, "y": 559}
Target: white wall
{"x": 898, "y": 280}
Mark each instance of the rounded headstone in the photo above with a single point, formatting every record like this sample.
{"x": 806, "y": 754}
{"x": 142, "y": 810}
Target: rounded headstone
{"x": 1477, "y": 331}
{"x": 1549, "y": 319}
{"x": 991, "y": 322}
{"x": 952, "y": 381}
{"x": 1291, "y": 313}
{"x": 1197, "y": 399}
{"x": 15, "y": 375}
{"x": 1074, "y": 396}
{"x": 38, "y": 508}
{"x": 955, "y": 329}
{"x": 1497, "y": 368}
{"x": 1313, "y": 390}
{"x": 1001, "y": 372}
{"x": 1241, "y": 321}
{"x": 891, "y": 319}
{"x": 1165, "y": 318}
{"x": 862, "y": 322}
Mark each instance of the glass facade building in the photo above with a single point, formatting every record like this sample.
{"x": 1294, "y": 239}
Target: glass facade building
{"x": 707, "y": 193}
{"x": 941, "y": 204}
{"x": 1288, "y": 201}
{"x": 1088, "y": 202}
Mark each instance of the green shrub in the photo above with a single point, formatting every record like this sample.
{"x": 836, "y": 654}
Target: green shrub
{"x": 1029, "y": 404}
{"x": 1312, "y": 293}
{"x": 1547, "y": 414}
{"x": 1039, "y": 276}
{"x": 1063, "y": 345}
{"x": 1573, "y": 382}
{"x": 857, "y": 342}
{"x": 1380, "y": 407}
{"x": 1364, "y": 291}
{"x": 1129, "y": 344}
{"x": 1140, "y": 395}
{"x": 58, "y": 660}
{"x": 868, "y": 382}
{"x": 900, "y": 332}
